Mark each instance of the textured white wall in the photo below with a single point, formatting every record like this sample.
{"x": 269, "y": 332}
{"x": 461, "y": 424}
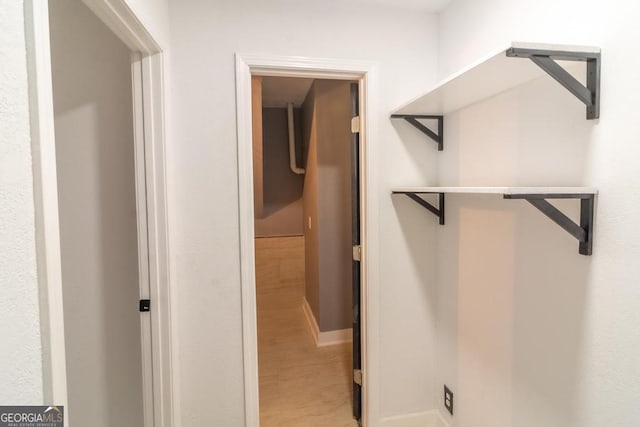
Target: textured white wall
{"x": 529, "y": 332}
{"x": 20, "y": 352}
{"x": 203, "y": 179}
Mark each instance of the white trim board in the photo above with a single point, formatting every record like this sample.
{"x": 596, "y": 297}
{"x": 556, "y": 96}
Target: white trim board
{"x": 160, "y": 290}
{"x": 364, "y": 72}
{"x": 420, "y": 419}
{"x": 143, "y": 238}
{"x": 118, "y": 16}
{"x": 324, "y": 339}
{"x": 513, "y": 191}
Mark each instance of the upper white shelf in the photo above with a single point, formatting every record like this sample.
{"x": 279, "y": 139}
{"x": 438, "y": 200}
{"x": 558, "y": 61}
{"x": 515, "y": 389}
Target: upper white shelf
{"x": 508, "y": 191}
{"x": 490, "y": 76}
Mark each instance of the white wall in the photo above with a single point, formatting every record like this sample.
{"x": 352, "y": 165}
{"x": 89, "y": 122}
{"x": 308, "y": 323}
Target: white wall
{"x": 94, "y": 149}
{"x": 21, "y": 380}
{"x": 529, "y": 332}
{"x": 203, "y": 197}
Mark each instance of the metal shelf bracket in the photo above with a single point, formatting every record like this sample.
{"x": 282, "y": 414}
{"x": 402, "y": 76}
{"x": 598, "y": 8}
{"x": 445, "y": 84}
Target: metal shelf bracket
{"x": 582, "y": 232}
{"x": 546, "y": 59}
{"x": 437, "y": 211}
{"x": 412, "y": 119}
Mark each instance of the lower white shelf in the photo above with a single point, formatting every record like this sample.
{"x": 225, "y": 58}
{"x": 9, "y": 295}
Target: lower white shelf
{"x": 537, "y": 196}
{"x": 497, "y": 190}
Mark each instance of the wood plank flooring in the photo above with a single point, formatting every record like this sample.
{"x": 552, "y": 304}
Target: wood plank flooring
{"x": 300, "y": 385}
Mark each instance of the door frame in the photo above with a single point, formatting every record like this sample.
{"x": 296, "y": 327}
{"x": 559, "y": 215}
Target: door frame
{"x": 148, "y": 82}
{"x": 364, "y": 73}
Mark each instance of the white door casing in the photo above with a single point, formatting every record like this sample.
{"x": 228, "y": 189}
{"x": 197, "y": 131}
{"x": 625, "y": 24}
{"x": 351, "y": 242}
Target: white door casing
{"x": 364, "y": 72}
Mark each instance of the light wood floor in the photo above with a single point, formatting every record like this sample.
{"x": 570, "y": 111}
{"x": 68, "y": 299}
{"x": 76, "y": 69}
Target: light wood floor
{"x": 300, "y": 385}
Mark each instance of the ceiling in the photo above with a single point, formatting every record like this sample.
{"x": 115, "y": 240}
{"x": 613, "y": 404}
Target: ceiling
{"x": 426, "y": 5}
{"x": 277, "y": 92}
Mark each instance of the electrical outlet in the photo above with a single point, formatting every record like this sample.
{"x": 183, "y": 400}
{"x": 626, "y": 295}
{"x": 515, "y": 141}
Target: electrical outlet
{"x": 448, "y": 399}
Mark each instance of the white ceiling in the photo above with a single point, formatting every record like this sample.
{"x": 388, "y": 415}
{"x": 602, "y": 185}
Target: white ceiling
{"x": 426, "y": 5}
{"x": 277, "y": 92}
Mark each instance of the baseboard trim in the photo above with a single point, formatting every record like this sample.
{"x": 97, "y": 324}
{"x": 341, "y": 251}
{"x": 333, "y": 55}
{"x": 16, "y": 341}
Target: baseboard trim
{"x": 420, "y": 419}
{"x": 339, "y": 336}
{"x": 323, "y": 339}
{"x": 311, "y": 320}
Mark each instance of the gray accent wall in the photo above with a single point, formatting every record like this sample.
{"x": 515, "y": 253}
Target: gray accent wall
{"x": 326, "y": 123}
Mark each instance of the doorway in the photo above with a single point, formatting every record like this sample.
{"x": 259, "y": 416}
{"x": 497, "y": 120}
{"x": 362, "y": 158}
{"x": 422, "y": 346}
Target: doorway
{"x": 102, "y": 222}
{"x": 306, "y": 176}
{"x": 248, "y": 66}
{"x": 147, "y": 93}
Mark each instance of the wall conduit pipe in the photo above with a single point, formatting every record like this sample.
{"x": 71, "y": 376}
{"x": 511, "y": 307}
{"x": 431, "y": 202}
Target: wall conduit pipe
{"x": 292, "y": 143}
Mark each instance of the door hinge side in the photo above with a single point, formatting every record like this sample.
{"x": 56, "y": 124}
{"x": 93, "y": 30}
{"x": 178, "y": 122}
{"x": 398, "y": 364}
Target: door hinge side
{"x": 355, "y": 124}
{"x": 357, "y": 376}
{"x": 357, "y": 253}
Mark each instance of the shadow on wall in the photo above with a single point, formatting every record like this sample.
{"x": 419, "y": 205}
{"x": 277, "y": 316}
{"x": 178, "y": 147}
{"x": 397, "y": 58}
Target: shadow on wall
{"x": 549, "y": 314}
{"x": 421, "y": 150}
{"x": 511, "y": 300}
{"x": 533, "y": 135}
{"x": 419, "y": 230}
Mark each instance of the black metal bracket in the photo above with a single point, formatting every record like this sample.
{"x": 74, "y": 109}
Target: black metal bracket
{"x": 413, "y": 120}
{"x": 546, "y": 59}
{"x": 439, "y": 211}
{"x": 582, "y": 232}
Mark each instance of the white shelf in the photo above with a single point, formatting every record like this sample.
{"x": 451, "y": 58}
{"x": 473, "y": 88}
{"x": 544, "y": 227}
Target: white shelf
{"x": 490, "y": 76}
{"x": 509, "y": 67}
{"x": 509, "y": 191}
{"x": 537, "y": 196}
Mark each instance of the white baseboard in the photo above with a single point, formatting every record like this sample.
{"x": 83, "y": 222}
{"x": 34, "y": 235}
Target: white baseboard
{"x": 323, "y": 339}
{"x": 334, "y": 337}
{"x": 421, "y": 419}
{"x": 311, "y": 320}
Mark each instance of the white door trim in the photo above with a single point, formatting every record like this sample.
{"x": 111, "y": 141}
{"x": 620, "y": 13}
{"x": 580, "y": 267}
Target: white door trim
{"x": 118, "y": 16}
{"x": 148, "y": 114}
{"x": 364, "y": 72}
{"x": 45, "y": 186}
{"x": 137, "y": 83}
{"x": 162, "y": 348}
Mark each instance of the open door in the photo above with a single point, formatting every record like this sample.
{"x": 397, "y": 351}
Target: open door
{"x": 355, "y": 233}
